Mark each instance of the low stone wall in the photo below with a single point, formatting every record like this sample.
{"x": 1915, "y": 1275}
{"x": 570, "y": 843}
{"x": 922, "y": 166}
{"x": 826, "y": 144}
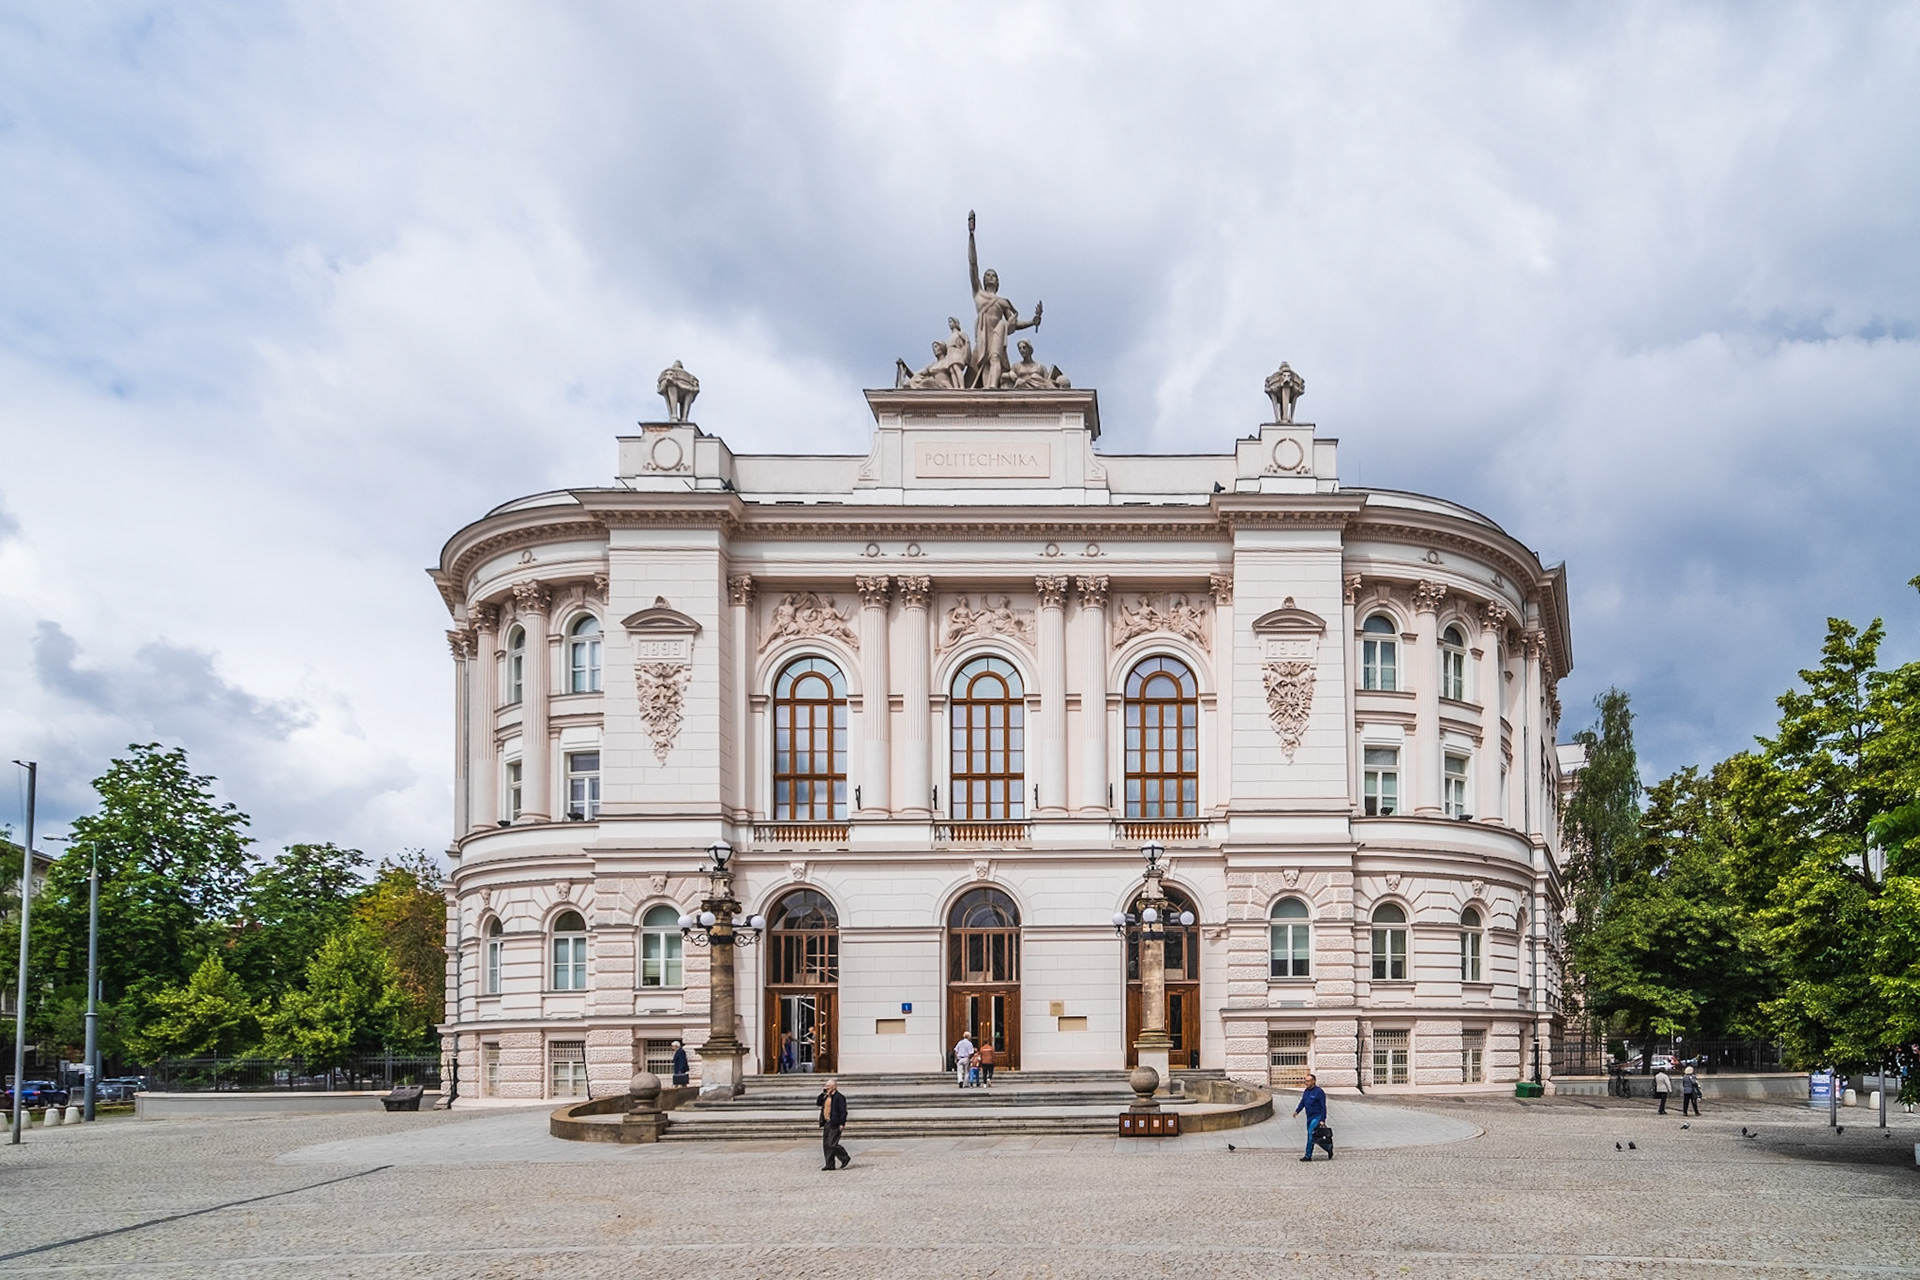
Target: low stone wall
{"x": 182, "y": 1106}
{"x": 1251, "y": 1104}
{"x": 570, "y": 1121}
{"x": 1776, "y": 1087}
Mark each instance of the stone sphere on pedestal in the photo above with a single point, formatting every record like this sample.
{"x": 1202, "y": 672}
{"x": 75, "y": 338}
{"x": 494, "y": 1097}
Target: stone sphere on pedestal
{"x": 645, "y": 1089}
{"x": 1144, "y": 1080}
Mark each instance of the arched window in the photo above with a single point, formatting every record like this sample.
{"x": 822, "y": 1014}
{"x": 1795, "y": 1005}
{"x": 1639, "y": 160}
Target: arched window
{"x": 989, "y": 717}
{"x": 1290, "y": 940}
{"x": 516, "y": 668}
{"x": 1379, "y": 654}
{"x": 1470, "y": 935}
{"x": 805, "y": 934}
{"x": 810, "y": 742}
{"x": 583, "y": 656}
{"x": 496, "y": 943}
{"x": 569, "y": 952}
{"x": 660, "y": 947}
{"x": 1163, "y": 741}
{"x": 983, "y": 933}
{"x": 1453, "y": 664}
{"x": 1389, "y": 943}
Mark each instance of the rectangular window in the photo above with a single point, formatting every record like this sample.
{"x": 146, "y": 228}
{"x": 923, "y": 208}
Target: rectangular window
{"x": 510, "y": 799}
{"x": 1391, "y": 1057}
{"x": 567, "y": 1060}
{"x": 583, "y": 786}
{"x": 660, "y": 958}
{"x": 490, "y": 1070}
{"x": 1379, "y": 665}
{"x": 1390, "y": 954}
{"x": 514, "y": 677}
{"x": 1287, "y": 1057}
{"x": 659, "y": 1058}
{"x": 1381, "y": 797}
{"x": 1453, "y": 674}
{"x": 1473, "y": 1057}
{"x": 494, "y": 946}
{"x": 1469, "y": 955}
{"x": 1454, "y": 788}
{"x": 570, "y": 962}
{"x": 1288, "y": 951}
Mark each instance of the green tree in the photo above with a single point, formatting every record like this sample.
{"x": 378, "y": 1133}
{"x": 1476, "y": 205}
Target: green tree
{"x": 211, "y": 1016}
{"x": 405, "y": 908}
{"x": 1601, "y": 819}
{"x": 352, "y": 1003}
{"x": 292, "y": 905}
{"x": 173, "y": 867}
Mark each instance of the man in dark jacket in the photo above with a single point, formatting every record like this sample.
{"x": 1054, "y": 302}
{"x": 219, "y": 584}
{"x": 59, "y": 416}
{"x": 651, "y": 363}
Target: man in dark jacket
{"x": 682, "y": 1071}
{"x": 1313, "y": 1101}
{"x": 833, "y": 1119}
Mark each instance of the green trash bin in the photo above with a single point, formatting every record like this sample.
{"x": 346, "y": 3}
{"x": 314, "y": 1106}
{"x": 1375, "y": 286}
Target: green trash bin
{"x": 1528, "y": 1089}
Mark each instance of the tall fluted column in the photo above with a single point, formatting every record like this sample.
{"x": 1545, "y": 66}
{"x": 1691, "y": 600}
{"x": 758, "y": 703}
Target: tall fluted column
{"x": 460, "y": 641}
{"x": 1219, "y": 776}
{"x": 1093, "y": 697}
{"x": 1053, "y": 692}
{"x": 876, "y": 715}
{"x": 1486, "y": 778}
{"x": 916, "y": 724}
{"x": 1423, "y": 665}
{"x": 536, "y": 760}
{"x": 746, "y": 742}
{"x": 1350, "y": 656}
{"x": 1534, "y": 647}
{"x": 483, "y": 760}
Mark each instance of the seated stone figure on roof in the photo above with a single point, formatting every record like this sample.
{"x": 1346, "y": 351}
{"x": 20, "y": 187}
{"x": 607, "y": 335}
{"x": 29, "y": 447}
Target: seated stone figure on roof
{"x": 1030, "y": 375}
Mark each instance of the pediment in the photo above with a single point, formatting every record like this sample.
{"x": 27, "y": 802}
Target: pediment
{"x": 1289, "y": 620}
{"x": 660, "y": 620}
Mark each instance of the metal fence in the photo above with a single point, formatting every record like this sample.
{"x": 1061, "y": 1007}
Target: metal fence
{"x": 1587, "y": 1054}
{"x": 263, "y": 1075}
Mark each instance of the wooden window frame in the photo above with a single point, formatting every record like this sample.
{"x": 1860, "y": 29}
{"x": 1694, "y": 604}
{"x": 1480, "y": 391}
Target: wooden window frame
{"x": 1144, "y": 723}
{"x": 820, "y": 772}
{"x": 987, "y": 777}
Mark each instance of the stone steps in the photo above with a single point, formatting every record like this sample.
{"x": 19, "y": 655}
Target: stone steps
{"x": 786, "y": 1127}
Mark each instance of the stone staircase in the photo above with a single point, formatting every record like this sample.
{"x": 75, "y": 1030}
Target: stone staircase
{"x": 913, "y": 1105}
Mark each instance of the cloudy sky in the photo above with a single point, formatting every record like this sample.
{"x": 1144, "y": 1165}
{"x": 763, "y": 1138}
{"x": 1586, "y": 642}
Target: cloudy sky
{"x": 287, "y": 294}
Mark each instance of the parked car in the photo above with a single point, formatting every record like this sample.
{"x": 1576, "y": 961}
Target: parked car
{"x": 114, "y": 1091}
{"x": 39, "y": 1093}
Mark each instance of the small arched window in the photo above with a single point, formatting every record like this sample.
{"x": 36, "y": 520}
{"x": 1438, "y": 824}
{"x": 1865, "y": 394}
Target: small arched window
{"x": 660, "y": 947}
{"x": 1163, "y": 741}
{"x": 496, "y": 944}
{"x": 583, "y": 656}
{"x": 988, "y": 713}
{"x": 569, "y": 952}
{"x": 516, "y": 666}
{"x": 1470, "y": 935}
{"x": 1453, "y": 664}
{"x": 1290, "y": 939}
{"x": 810, "y": 742}
{"x": 983, "y": 937}
{"x": 1379, "y": 654}
{"x": 1389, "y": 943}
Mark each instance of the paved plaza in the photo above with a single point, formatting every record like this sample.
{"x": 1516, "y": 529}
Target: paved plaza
{"x": 1471, "y": 1187}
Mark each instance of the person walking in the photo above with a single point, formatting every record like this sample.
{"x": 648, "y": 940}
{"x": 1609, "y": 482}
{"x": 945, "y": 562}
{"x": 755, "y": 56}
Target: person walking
{"x": 833, "y": 1120}
{"x": 682, "y": 1071}
{"x": 1689, "y": 1092}
{"x": 962, "y": 1059}
{"x": 1313, "y": 1101}
{"x": 787, "y": 1053}
{"x": 986, "y": 1064}
{"x": 1662, "y": 1086}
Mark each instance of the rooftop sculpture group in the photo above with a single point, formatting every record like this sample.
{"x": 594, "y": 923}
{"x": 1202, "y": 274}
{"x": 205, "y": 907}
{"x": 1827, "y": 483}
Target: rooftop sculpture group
{"x": 981, "y": 363}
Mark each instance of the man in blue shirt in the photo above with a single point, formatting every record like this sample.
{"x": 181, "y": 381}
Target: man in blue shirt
{"x": 1313, "y": 1101}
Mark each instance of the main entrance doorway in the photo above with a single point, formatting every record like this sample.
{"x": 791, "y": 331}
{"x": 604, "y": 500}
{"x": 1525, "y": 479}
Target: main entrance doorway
{"x": 983, "y": 974}
{"x": 1183, "y": 987}
{"x": 803, "y": 976}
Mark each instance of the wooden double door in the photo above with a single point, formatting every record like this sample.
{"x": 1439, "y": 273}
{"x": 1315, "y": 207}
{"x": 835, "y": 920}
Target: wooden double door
{"x": 986, "y": 1015}
{"x": 1183, "y": 1024}
{"x": 802, "y": 1022}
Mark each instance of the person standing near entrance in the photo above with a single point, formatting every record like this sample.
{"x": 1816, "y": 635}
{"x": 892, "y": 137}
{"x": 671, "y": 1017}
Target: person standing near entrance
{"x": 986, "y": 1064}
{"x": 833, "y": 1120}
{"x": 682, "y": 1070}
{"x": 1313, "y": 1101}
{"x": 962, "y": 1059}
{"x": 1662, "y": 1086}
{"x": 1689, "y": 1093}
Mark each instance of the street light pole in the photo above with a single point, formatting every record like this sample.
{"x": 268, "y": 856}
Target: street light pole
{"x": 720, "y": 926}
{"x": 1152, "y": 912}
{"x": 20, "y": 1010}
{"x": 93, "y": 979}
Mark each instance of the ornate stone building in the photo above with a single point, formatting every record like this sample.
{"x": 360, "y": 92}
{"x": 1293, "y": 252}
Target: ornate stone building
{"x": 937, "y": 697}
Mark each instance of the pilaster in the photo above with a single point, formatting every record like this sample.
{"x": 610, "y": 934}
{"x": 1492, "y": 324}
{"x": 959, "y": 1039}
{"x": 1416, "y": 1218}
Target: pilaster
{"x": 916, "y": 722}
{"x": 1093, "y": 697}
{"x": 1052, "y": 592}
{"x": 1423, "y": 666}
{"x": 876, "y": 714}
{"x": 532, "y": 600}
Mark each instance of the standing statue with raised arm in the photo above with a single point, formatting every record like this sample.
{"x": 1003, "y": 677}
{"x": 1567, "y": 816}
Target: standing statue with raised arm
{"x": 996, "y": 320}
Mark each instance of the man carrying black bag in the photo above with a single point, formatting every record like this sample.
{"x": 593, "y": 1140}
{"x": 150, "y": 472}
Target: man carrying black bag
{"x": 1313, "y": 1101}
{"x": 833, "y": 1119}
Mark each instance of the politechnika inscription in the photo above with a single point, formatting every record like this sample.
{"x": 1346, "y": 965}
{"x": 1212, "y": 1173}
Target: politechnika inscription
{"x": 940, "y": 459}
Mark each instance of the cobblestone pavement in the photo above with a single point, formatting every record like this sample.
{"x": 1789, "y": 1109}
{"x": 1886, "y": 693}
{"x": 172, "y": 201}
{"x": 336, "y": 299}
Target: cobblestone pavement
{"x": 1540, "y": 1191}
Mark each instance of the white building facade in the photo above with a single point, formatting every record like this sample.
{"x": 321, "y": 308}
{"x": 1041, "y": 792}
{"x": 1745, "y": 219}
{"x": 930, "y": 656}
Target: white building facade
{"x": 937, "y": 697}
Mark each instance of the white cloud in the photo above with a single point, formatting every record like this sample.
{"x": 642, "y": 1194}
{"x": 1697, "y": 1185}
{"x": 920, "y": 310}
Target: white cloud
{"x": 292, "y": 293}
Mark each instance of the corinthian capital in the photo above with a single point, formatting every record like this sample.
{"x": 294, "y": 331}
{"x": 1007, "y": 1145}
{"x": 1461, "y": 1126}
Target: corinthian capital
{"x": 1093, "y": 590}
{"x": 1221, "y": 584}
{"x": 1352, "y": 589}
{"x": 460, "y": 641}
{"x": 914, "y": 589}
{"x": 1052, "y": 588}
{"x": 872, "y": 589}
{"x": 1428, "y": 595}
{"x": 740, "y": 588}
{"x": 531, "y": 597}
{"x": 1494, "y": 617}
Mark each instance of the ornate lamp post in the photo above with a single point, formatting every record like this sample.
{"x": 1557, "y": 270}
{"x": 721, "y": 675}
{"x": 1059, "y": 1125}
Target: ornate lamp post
{"x": 720, "y": 925}
{"x": 1152, "y": 910}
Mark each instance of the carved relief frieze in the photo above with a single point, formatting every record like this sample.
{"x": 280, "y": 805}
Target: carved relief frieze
{"x": 1289, "y": 686}
{"x": 806, "y": 615}
{"x": 1167, "y": 612}
{"x": 990, "y": 619}
{"x": 662, "y": 687}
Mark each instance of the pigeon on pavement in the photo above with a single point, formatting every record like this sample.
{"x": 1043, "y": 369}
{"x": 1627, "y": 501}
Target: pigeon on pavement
{"x": 1631, "y": 1147}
